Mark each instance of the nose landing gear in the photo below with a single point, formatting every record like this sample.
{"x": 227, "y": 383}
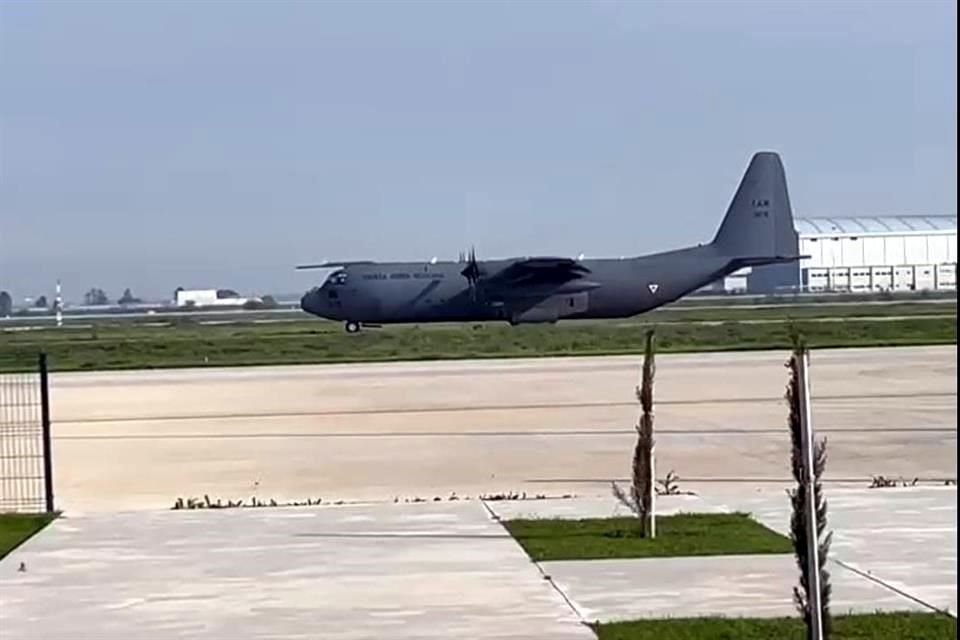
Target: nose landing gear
{"x": 351, "y": 326}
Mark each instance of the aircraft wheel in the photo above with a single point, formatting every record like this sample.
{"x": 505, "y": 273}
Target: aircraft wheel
{"x": 352, "y": 327}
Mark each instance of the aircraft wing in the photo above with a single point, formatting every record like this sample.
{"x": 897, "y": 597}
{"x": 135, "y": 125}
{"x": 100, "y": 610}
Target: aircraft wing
{"x": 536, "y": 275}
{"x": 329, "y": 264}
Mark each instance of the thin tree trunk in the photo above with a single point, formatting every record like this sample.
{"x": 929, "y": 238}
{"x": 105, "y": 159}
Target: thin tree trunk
{"x": 643, "y": 483}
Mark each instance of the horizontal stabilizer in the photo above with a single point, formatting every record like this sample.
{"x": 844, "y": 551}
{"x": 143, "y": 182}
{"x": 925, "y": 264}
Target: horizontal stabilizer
{"x": 757, "y": 261}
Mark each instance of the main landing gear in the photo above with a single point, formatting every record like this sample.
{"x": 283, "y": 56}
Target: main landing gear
{"x": 351, "y": 326}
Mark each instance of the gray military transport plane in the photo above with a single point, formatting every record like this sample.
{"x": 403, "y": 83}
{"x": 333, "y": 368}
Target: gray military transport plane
{"x": 757, "y": 230}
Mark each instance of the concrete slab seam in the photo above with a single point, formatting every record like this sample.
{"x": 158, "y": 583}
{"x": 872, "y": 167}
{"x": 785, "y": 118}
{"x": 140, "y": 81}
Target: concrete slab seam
{"x": 500, "y": 407}
{"x": 546, "y": 576}
{"x": 863, "y": 574}
{"x": 887, "y": 585}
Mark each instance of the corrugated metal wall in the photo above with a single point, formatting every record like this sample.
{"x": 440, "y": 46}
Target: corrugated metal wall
{"x": 874, "y": 262}
{"x": 826, "y": 252}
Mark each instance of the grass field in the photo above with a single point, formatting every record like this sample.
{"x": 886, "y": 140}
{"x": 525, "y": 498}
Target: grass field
{"x": 15, "y": 528}
{"x": 680, "y": 311}
{"x": 701, "y": 534}
{"x": 186, "y": 342}
{"x": 876, "y": 626}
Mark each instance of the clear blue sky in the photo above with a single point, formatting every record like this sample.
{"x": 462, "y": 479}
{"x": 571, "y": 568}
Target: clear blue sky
{"x": 157, "y": 144}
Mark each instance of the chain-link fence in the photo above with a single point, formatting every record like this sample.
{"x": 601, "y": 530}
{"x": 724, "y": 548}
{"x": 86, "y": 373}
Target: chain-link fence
{"x": 26, "y": 477}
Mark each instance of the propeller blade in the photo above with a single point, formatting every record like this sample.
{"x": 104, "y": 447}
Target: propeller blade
{"x": 472, "y": 273}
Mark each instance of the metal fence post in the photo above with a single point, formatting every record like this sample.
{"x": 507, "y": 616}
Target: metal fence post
{"x": 652, "y": 529}
{"x": 813, "y": 539}
{"x": 45, "y": 423}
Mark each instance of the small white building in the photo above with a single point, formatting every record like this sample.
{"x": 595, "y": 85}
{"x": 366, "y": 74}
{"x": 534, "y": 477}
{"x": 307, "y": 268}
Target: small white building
{"x": 210, "y": 298}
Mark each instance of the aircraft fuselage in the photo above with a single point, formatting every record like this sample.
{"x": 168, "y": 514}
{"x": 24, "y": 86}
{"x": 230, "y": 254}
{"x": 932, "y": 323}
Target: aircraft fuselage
{"x": 407, "y": 292}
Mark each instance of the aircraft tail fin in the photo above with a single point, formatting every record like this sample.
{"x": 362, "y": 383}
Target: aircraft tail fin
{"x": 758, "y": 227}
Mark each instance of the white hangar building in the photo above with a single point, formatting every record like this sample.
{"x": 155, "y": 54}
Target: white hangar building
{"x": 870, "y": 253}
{"x": 900, "y": 253}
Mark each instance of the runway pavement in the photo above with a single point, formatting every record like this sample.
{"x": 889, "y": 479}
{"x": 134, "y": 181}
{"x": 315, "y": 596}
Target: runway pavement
{"x": 134, "y": 440}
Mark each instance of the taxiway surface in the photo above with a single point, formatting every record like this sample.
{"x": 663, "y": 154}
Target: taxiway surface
{"x": 140, "y": 439}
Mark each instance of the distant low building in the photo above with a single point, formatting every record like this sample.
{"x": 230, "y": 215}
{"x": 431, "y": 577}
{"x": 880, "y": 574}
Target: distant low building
{"x": 211, "y": 298}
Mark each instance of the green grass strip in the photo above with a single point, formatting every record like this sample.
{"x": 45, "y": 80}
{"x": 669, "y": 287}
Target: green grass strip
{"x": 874, "y": 626}
{"x": 16, "y": 528}
{"x": 706, "y": 534}
{"x": 191, "y": 345}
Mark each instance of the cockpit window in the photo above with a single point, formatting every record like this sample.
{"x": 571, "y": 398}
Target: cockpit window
{"x": 338, "y": 278}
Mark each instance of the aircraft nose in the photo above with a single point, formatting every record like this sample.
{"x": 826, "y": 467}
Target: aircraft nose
{"x": 310, "y": 302}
